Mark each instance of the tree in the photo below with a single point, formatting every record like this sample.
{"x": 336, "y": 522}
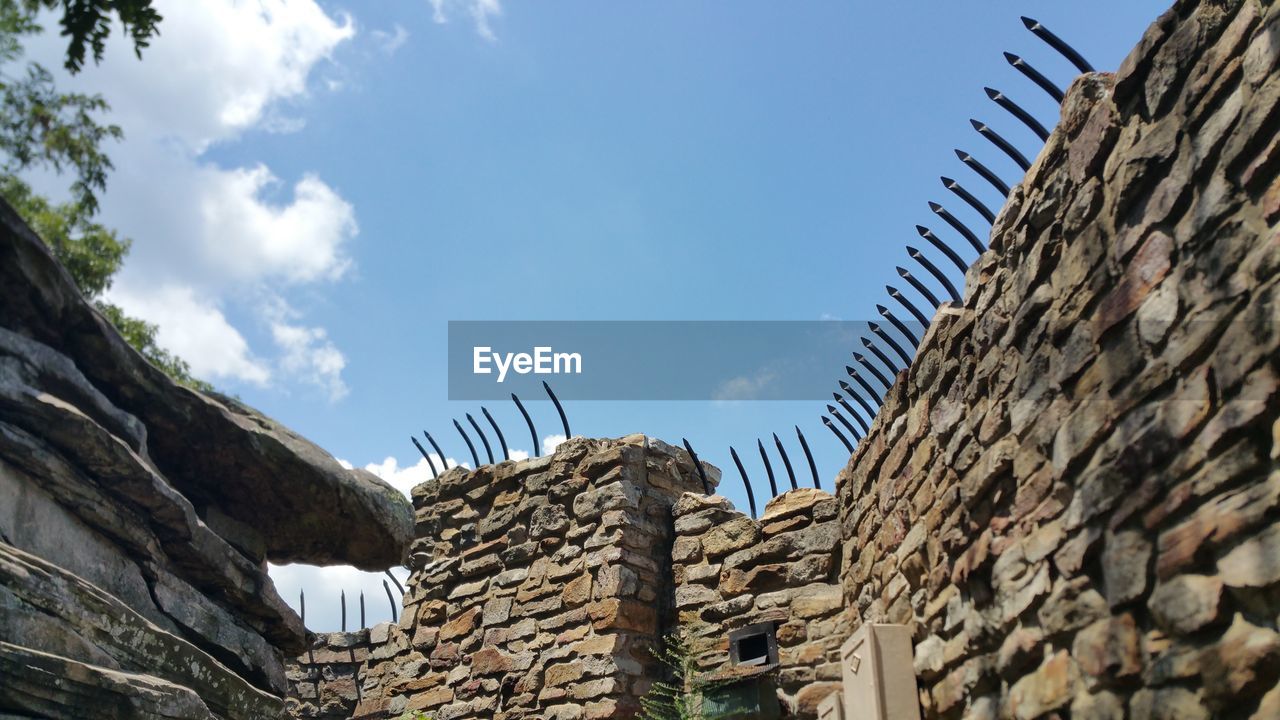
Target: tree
{"x": 42, "y": 127}
{"x": 679, "y": 695}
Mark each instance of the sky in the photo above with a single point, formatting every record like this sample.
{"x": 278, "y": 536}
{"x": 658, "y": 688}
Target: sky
{"x": 314, "y": 189}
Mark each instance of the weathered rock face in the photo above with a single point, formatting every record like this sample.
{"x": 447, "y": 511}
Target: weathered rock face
{"x": 136, "y": 517}
{"x": 731, "y": 571}
{"x": 539, "y": 589}
{"x": 1072, "y": 495}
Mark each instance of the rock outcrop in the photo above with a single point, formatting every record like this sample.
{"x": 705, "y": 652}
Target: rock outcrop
{"x": 137, "y": 517}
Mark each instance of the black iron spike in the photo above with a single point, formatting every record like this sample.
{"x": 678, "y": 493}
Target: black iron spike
{"x": 563, "y": 420}
{"x": 865, "y": 386}
{"x": 746, "y": 481}
{"x": 864, "y": 362}
{"x": 528, "y": 421}
{"x": 706, "y": 486}
{"x": 936, "y": 241}
{"x": 987, "y": 174}
{"x": 1015, "y": 110}
{"x": 959, "y": 191}
{"x": 844, "y": 404}
{"x": 1058, "y": 44}
{"x": 836, "y": 414}
{"x": 894, "y": 321}
{"x": 391, "y": 600}
{"x": 786, "y": 461}
{"x": 902, "y": 300}
{"x": 394, "y": 580}
{"x": 342, "y": 597}
{"x": 488, "y": 451}
{"x": 302, "y": 606}
{"x": 474, "y": 458}
{"x": 436, "y": 446}
{"x": 919, "y": 286}
{"x": 768, "y": 468}
{"x": 1004, "y": 145}
{"x": 884, "y": 336}
{"x": 502, "y": 441}
{"x": 893, "y": 369}
{"x": 934, "y": 271}
{"x": 813, "y": 468}
{"x": 1035, "y": 76}
{"x": 434, "y": 473}
{"x": 849, "y": 390}
{"x": 363, "y": 624}
{"x": 960, "y": 227}
{"x": 839, "y": 435}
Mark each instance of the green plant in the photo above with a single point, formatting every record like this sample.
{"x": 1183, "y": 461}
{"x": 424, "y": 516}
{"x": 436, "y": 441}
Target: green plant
{"x": 679, "y": 694}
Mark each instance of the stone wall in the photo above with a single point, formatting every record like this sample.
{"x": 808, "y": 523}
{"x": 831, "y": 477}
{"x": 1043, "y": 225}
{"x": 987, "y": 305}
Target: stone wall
{"x": 1072, "y": 495}
{"x": 731, "y": 571}
{"x": 324, "y": 683}
{"x": 133, "y": 575}
{"x": 539, "y": 587}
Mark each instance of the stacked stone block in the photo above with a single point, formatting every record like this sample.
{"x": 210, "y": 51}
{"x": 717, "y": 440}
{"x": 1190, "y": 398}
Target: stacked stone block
{"x": 731, "y": 571}
{"x": 324, "y": 683}
{"x": 1072, "y": 496}
{"x": 539, "y": 587}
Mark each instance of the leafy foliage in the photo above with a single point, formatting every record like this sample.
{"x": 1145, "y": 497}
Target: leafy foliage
{"x": 87, "y": 23}
{"x": 92, "y": 254}
{"x": 679, "y": 695}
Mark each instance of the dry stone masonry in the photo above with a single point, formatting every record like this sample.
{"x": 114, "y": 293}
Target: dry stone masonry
{"x": 1072, "y": 495}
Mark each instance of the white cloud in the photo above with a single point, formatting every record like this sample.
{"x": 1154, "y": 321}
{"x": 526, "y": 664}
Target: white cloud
{"x": 208, "y": 237}
{"x": 196, "y": 330}
{"x": 391, "y": 41}
{"x": 551, "y": 442}
{"x": 480, "y": 11}
{"x": 324, "y": 587}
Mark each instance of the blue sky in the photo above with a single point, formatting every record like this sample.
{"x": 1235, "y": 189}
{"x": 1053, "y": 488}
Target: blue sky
{"x": 315, "y": 190}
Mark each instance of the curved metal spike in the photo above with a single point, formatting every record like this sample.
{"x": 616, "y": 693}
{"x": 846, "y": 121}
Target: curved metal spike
{"x": 436, "y": 446}
{"x": 791, "y": 474}
{"x": 902, "y": 300}
{"x": 844, "y": 404}
{"x": 884, "y": 336}
{"x": 746, "y": 481}
{"x": 533, "y": 433}
{"x": 342, "y": 597}
{"x": 474, "y": 458}
{"x": 965, "y": 195}
{"x": 894, "y": 321}
{"x": 1035, "y": 76}
{"x": 363, "y": 624}
{"x": 972, "y": 163}
{"x": 488, "y": 451}
{"x": 394, "y": 580}
{"x": 391, "y": 600}
{"x": 501, "y": 440}
{"x": 1015, "y": 110}
{"x": 849, "y": 390}
{"x": 919, "y": 286}
{"x": 864, "y": 362}
{"x": 936, "y": 241}
{"x": 302, "y": 606}
{"x": 935, "y": 272}
{"x": 563, "y": 420}
{"x": 768, "y": 468}
{"x": 706, "y": 486}
{"x": 836, "y": 414}
{"x": 425, "y": 454}
{"x": 813, "y": 468}
{"x": 1058, "y": 44}
{"x": 865, "y": 385}
{"x": 960, "y": 227}
{"x": 893, "y": 369}
{"x": 839, "y": 435}
{"x": 1004, "y": 145}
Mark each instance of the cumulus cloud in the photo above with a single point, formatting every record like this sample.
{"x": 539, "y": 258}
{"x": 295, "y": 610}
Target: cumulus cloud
{"x": 551, "y": 442}
{"x": 480, "y": 12}
{"x": 208, "y": 237}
